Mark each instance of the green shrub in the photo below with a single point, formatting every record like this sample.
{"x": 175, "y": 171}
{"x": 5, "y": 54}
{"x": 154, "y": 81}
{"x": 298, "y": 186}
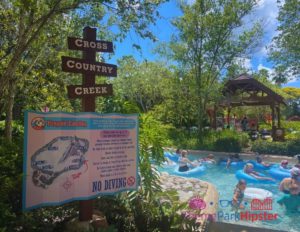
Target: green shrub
{"x": 17, "y": 128}
{"x": 230, "y": 141}
{"x": 289, "y": 147}
{"x": 228, "y": 145}
{"x": 295, "y": 135}
{"x": 226, "y": 140}
{"x": 291, "y": 125}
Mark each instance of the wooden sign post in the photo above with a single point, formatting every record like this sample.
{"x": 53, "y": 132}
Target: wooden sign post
{"x": 89, "y": 90}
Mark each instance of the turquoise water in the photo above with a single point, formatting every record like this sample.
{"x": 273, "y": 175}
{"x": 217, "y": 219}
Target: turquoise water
{"x": 224, "y": 180}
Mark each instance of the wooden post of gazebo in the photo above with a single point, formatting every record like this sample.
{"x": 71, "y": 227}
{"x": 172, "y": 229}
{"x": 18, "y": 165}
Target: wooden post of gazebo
{"x": 273, "y": 118}
{"x": 215, "y": 117}
{"x": 228, "y": 117}
{"x": 278, "y": 117}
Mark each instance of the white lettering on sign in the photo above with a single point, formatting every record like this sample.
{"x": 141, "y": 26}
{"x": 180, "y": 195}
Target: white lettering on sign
{"x": 78, "y": 42}
{"x": 90, "y": 44}
{"x": 89, "y": 67}
{"x": 78, "y": 91}
{"x": 90, "y": 90}
{"x": 70, "y": 63}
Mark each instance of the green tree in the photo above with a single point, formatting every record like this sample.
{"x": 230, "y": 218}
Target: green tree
{"x": 25, "y": 23}
{"x": 293, "y": 101}
{"x": 210, "y": 38}
{"x": 141, "y": 83}
{"x": 285, "y": 51}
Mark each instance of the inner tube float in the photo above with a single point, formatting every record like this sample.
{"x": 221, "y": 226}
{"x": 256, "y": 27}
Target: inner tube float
{"x": 235, "y": 164}
{"x": 206, "y": 162}
{"x": 256, "y": 193}
{"x": 240, "y": 174}
{"x": 193, "y": 172}
{"x": 171, "y": 156}
{"x": 279, "y": 173}
{"x": 170, "y": 163}
{"x": 259, "y": 166}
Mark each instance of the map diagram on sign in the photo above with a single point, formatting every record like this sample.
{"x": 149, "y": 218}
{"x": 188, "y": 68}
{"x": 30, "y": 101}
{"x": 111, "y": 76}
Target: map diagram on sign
{"x": 62, "y": 154}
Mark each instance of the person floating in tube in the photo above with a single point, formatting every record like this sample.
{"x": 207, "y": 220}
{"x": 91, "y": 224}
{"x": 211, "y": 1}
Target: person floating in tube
{"x": 210, "y": 158}
{"x": 248, "y": 169}
{"x": 284, "y": 164}
{"x": 297, "y": 165}
{"x": 184, "y": 161}
{"x": 233, "y": 158}
{"x": 291, "y": 187}
{"x": 259, "y": 160}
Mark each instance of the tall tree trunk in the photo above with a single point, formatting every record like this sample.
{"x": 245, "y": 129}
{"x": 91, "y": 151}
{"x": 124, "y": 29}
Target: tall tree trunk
{"x": 1, "y": 109}
{"x": 9, "y": 109}
{"x": 10, "y": 70}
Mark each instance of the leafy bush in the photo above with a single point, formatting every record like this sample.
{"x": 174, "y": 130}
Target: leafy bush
{"x": 137, "y": 211}
{"x": 295, "y": 135}
{"x": 228, "y": 145}
{"x": 230, "y": 141}
{"x": 17, "y": 131}
{"x": 291, "y": 125}
{"x": 226, "y": 140}
{"x": 289, "y": 147}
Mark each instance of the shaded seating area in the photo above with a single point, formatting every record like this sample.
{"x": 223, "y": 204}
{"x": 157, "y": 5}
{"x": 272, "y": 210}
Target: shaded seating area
{"x": 244, "y": 90}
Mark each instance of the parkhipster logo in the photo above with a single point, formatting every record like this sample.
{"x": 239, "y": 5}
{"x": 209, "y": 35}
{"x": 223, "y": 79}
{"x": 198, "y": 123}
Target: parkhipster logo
{"x": 265, "y": 204}
{"x": 197, "y": 205}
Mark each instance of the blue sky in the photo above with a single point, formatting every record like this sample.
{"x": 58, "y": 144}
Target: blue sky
{"x": 266, "y": 12}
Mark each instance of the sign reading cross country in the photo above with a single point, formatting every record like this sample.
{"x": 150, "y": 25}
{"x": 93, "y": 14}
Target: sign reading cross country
{"x": 78, "y": 156}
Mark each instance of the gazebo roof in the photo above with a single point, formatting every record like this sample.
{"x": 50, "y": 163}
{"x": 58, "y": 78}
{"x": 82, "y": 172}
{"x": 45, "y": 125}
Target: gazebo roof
{"x": 259, "y": 94}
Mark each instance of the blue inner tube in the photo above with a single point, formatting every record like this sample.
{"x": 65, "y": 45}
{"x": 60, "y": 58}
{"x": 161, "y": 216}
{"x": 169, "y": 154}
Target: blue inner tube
{"x": 240, "y": 174}
{"x": 207, "y": 163}
{"x": 279, "y": 173}
{"x": 260, "y": 166}
{"x": 171, "y": 156}
{"x": 196, "y": 171}
{"x": 238, "y": 164}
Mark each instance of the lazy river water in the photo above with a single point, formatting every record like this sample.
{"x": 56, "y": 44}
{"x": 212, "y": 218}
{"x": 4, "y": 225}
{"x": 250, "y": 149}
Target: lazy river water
{"x": 224, "y": 180}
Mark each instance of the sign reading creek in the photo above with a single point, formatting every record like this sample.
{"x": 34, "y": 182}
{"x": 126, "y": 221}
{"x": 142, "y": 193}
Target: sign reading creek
{"x": 75, "y": 91}
{"x": 75, "y": 65}
{"x": 77, "y": 156}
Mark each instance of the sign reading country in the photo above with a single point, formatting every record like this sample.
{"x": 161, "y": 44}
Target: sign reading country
{"x": 75, "y": 65}
{"x": 78, "y": 156}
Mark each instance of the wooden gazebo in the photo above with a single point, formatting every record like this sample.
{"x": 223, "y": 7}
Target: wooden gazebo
{"x": 247, "y": 91}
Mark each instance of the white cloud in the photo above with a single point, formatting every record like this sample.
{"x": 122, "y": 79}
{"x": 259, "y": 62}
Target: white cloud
{"x": 190, "y": 2}
{"x": 270, "y": 71}
{"x": 261, "y": 66}
{"x": 243, "y": 62}
{"x": 266, "y": 11}
{"x": 291, "y": 78}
